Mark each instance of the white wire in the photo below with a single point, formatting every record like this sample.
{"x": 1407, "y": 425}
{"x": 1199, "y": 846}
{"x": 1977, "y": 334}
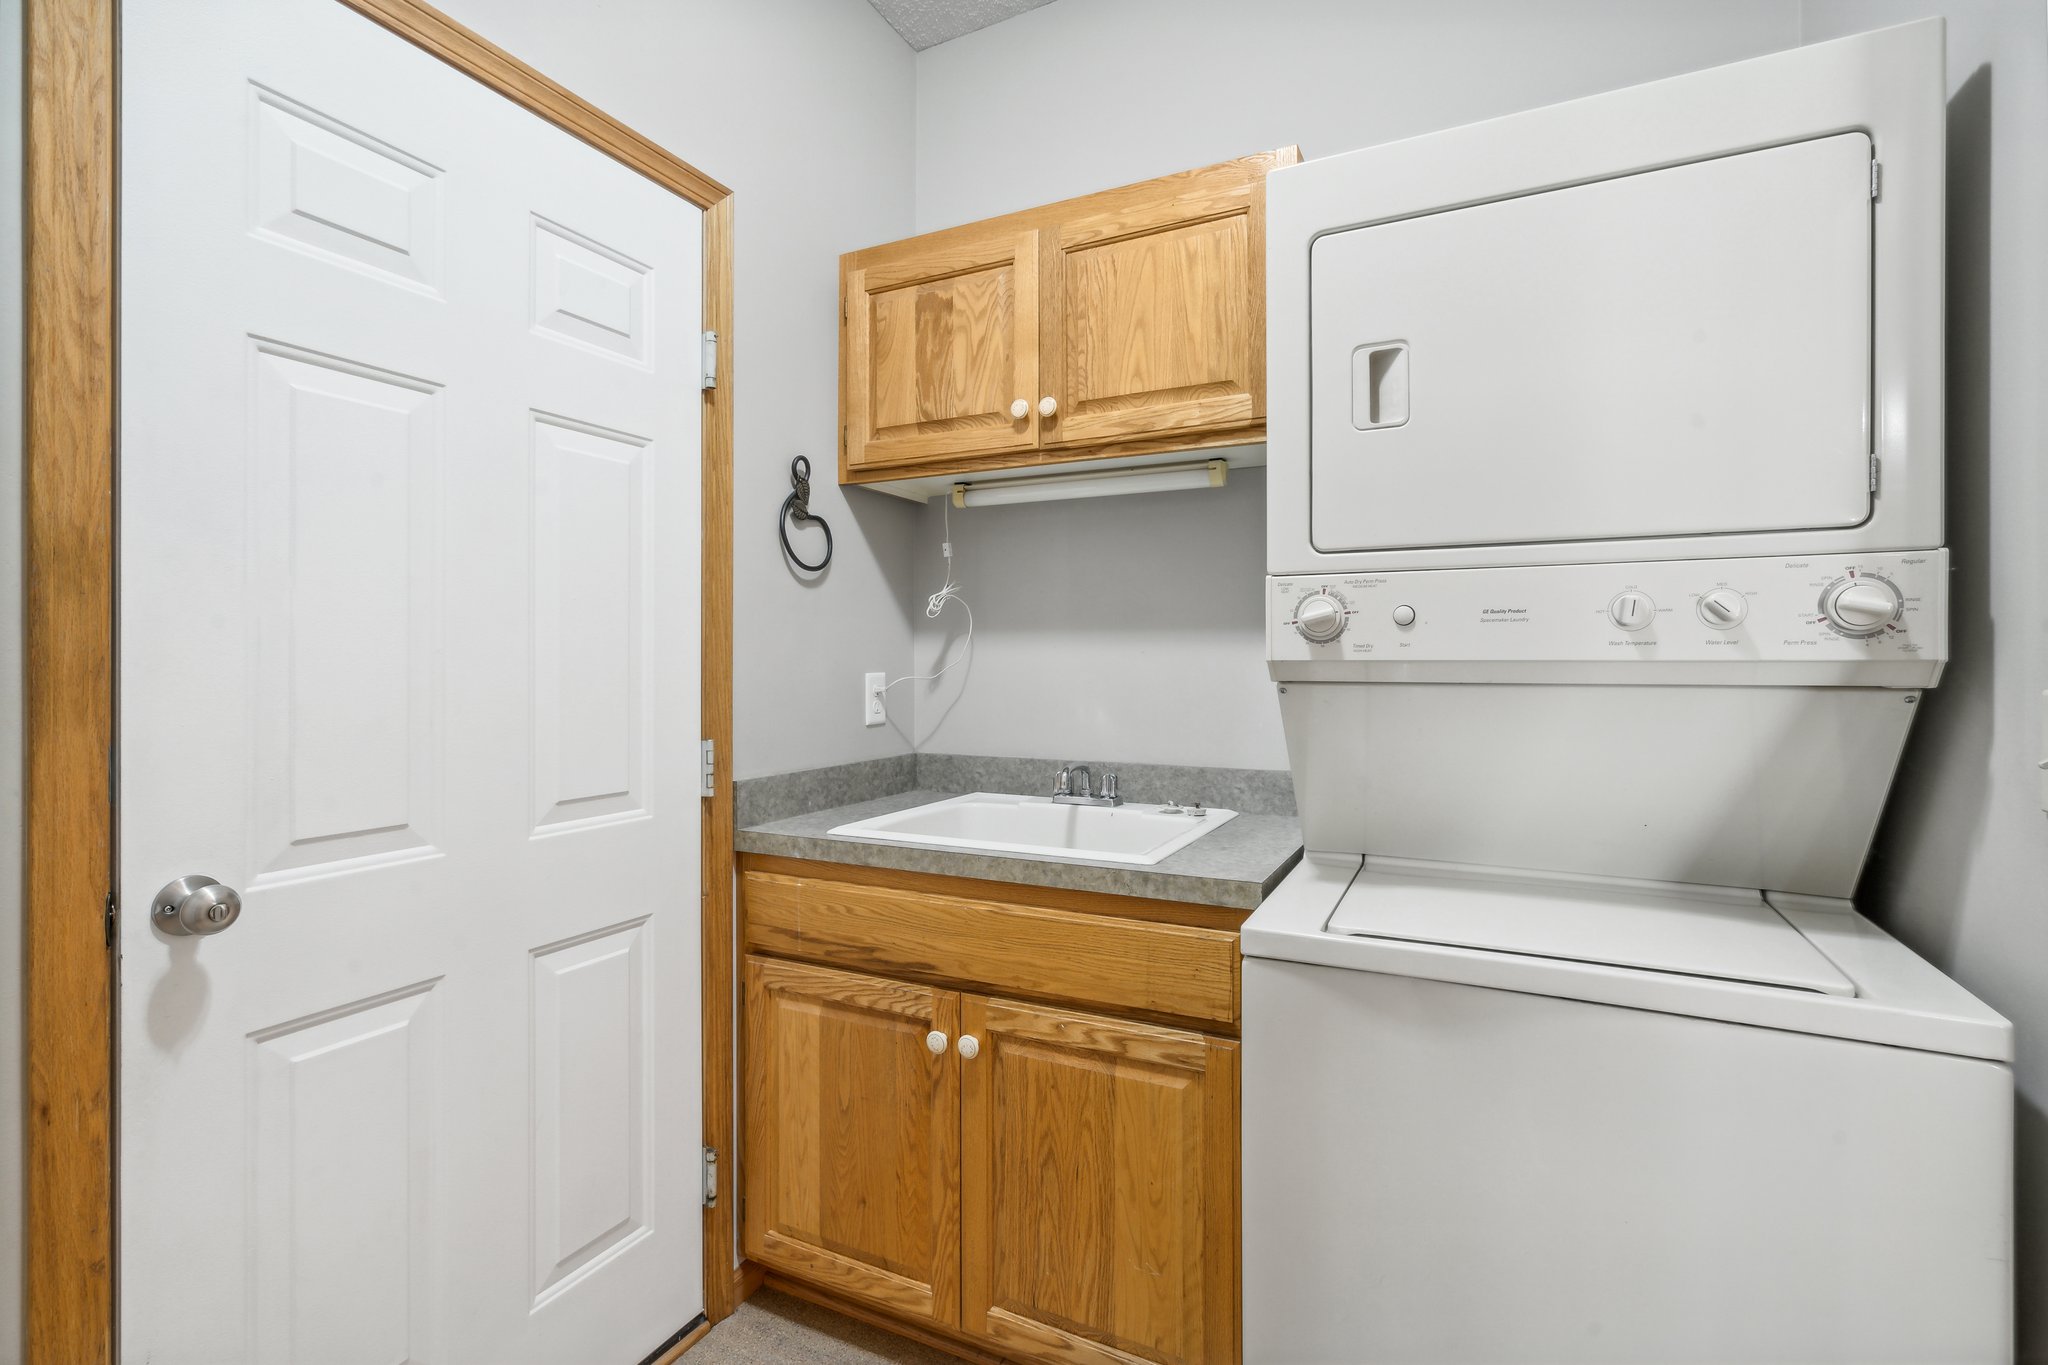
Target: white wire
{"x": 949, "y": 591}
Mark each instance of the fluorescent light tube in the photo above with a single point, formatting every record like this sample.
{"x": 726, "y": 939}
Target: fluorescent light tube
{"x": 1094, "y": 483}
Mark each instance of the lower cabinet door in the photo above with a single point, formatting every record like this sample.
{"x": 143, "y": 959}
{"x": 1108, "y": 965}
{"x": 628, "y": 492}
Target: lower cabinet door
{"x": 852, "y": 1123}
{"x": 1098, "y": 1187}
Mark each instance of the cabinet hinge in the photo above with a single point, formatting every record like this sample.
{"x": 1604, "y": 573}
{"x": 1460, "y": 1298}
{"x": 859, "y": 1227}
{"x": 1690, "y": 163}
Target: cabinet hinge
{"x": 710, "y": 1177}
{"x": 1876, "y": 178}
{"x": 708, "y": 760}
{"x": 1875, "y": 466}
{"x": 710, "y": 378}
{"x": 112, "y": 912}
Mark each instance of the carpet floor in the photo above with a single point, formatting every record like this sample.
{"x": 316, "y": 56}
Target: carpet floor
{"x": 775, "y": 1329}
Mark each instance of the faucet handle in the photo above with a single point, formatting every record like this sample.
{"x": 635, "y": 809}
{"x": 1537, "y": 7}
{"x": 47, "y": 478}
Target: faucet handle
{"x": 1108, "y": 787}
{"x": 1061, "y": 782}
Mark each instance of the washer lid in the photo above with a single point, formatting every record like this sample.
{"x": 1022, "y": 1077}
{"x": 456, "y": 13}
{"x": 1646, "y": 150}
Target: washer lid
{"x": 1717, "y": 933}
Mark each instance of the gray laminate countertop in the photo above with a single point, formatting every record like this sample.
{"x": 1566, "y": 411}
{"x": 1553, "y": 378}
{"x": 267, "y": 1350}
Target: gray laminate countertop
{"x": 1234, "y": 865}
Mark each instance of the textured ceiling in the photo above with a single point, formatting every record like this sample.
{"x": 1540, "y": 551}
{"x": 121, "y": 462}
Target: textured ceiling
{"x": 927, "y": 23}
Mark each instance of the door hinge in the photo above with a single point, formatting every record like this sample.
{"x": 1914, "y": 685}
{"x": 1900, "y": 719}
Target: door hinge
{"x": 708, "y": 755}
{"x": 1876, "y": 177}
{"x": 710, "y": 361}
{"x": 710, "y": 1177}
{"x": 1875, "y": 466}
{"x": 113, "y": 918}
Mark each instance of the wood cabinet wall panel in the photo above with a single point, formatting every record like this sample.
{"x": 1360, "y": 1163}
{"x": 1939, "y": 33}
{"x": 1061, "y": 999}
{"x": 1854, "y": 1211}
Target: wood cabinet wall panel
{"x": 1131, "y": 967}
{"x": 852, "y": 1135}
{"x": 937, "y": 347}
{"x": 1098, "y": 1188}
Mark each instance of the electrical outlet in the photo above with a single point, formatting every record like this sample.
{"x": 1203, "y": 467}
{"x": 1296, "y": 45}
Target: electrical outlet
{"x": 872, "y": 712}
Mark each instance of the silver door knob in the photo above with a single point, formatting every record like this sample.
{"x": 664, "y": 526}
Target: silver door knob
{"x": 195, "y": 905}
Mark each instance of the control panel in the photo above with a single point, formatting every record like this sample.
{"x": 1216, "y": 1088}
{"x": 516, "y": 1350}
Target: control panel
{"x": 1833, "y": 608}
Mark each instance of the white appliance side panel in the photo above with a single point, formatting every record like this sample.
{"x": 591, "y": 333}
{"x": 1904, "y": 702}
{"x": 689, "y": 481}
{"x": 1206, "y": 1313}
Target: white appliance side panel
{"x": 1778, "y": 788}
{"x": 1677, "y": 352}
{"x": 1439, "y": 1174}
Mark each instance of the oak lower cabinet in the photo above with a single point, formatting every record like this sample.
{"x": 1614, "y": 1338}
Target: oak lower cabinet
{"x": 1098, "y": 1186}
{"x": 853, "y": 1137}
{"x": 1032, "y": 1180}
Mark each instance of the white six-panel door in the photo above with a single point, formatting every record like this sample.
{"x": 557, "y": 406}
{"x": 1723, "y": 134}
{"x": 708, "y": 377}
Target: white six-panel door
{"x": 409, "y": 535}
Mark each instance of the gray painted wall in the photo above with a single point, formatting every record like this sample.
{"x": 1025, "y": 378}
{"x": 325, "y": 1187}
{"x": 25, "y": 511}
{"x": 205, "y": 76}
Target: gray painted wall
{"x": 803, "y": 107}
{"x": 1141, "y": 88}
{"x": 10, "y": 679}
{"x": 1961, "y": 868}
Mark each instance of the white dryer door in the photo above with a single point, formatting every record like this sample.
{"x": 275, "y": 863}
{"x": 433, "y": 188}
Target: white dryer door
{"x": 1683, "y": 351}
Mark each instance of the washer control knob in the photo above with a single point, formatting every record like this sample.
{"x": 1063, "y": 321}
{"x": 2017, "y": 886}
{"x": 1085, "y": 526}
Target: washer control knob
{"x": 1723, "y": 608}
{"x": 1404, "y": 615}
{"x": 1632, "y": 610}
{"x": 1319, "y": 617}
{"x": 1861, "y": 606}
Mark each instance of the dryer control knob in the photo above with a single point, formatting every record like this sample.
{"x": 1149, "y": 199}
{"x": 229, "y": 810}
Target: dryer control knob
{"x": 1319, "y": 617}
{"x": 1861, "y": 606}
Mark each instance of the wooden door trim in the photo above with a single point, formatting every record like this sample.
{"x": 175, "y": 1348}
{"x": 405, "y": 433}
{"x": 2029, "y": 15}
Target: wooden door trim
{"x": 69, "y": 85}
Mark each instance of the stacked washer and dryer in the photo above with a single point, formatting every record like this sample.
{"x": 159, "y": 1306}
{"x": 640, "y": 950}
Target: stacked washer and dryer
{"x": 1607, "y": 573}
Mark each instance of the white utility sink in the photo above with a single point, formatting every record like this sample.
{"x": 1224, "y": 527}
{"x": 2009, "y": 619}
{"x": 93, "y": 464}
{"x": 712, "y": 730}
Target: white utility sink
{"x": 1037, "y": 824}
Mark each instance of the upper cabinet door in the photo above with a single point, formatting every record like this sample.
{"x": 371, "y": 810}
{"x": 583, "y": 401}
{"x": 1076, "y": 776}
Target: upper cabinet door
{"x": 1154, "y": 319}
{"x": 1098, "y": 1188}
{"x": 941, "y": 348}
{"x": 852, "y": 1135}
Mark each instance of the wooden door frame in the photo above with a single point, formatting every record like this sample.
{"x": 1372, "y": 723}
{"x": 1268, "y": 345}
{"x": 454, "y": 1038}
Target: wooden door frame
{"x": 70, "y": 81}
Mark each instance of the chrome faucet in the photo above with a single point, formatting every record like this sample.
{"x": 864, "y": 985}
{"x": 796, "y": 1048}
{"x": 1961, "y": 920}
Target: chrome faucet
{"x": 1074, "y": 787}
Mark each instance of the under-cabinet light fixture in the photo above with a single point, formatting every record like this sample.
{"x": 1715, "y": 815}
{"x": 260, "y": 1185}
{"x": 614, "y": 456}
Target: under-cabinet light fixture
{"x": 1094, "y": 483}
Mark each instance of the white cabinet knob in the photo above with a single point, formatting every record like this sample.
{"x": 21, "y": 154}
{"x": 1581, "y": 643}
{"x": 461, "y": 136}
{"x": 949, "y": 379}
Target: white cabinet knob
{"x": 935, "y": 1041}
{"x": 1048, "y": 405}
{"x": 969, "y": 1047}
{"x": 1020, "y": 409}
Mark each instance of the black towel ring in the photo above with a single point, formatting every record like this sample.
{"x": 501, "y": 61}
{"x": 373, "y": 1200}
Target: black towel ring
{"x": 799, "y": 503}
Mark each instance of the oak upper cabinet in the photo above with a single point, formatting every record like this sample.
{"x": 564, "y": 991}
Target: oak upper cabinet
{"x": 1155, "y": 318}
{"x": 1126, "y": 322}
{"x": 852, "y": 1137}
{"x": 941, "y": 348}
{"x": 1098, "y": 1188}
